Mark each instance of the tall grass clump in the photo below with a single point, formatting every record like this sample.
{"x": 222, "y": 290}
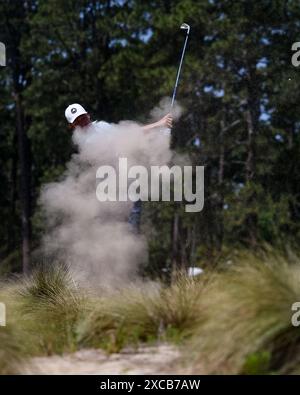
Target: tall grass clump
{"x": 50, "y": 306}
{"x": 43, "y": 311}
{"x": 13, "y": 348}
{"x": 247, "y": 326}
{"x": 150, "y": 313}
{"x": 11, "y": 351}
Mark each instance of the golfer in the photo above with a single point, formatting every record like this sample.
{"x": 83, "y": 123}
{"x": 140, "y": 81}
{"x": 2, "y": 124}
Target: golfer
{"x": 78, "y": 117}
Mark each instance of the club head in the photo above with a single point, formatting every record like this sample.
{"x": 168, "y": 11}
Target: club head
{"x": 186, "y": 27}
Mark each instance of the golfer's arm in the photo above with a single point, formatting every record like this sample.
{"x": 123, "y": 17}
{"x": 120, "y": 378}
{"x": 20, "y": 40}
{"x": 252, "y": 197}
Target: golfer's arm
{"x": 150, "y": 126}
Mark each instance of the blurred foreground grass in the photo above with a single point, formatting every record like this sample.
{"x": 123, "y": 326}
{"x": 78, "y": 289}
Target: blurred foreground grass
{"x": 235, "y": 319}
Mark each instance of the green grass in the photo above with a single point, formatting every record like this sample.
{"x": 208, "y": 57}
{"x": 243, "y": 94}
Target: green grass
{"x": 50, "y": 306}
{"x": 42, "y": 314}
{"x": 139, "y": 315}
{"x": 248, "y": 312}
{"x": 236, "y": 319}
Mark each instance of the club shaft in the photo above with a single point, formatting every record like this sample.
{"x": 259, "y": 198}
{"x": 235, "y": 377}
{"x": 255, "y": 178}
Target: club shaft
{"x": 179, "y": 69}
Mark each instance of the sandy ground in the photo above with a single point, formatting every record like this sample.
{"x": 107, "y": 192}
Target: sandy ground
{"x": 160, "y": 359}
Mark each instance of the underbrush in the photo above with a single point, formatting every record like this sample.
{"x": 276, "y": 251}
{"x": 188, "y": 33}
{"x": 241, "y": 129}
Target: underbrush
{"x": 235, "y": 319}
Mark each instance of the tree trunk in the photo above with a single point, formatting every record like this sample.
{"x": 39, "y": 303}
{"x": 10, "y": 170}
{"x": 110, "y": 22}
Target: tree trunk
{"x": 220, "y": 203}
{"x": 250, "y": 165}
{"x": 252, "y": 115}
{"x": 13, "y": 197}
{"x": 175, "y": 233}
{"x": 25, "y": 180}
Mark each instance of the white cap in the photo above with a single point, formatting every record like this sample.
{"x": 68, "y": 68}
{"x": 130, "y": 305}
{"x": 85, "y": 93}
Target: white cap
{"x": 73, "y": 111}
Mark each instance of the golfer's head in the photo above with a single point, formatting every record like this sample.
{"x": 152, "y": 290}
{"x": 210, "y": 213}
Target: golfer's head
{"x": 77, "y": 116}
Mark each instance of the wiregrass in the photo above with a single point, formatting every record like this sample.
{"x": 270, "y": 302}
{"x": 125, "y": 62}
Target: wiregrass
{"x": 236, "y": 319}
{"x": 247, "y": 327}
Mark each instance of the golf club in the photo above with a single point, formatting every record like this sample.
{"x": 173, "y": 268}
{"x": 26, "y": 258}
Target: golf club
{"x": 187, "y": 28}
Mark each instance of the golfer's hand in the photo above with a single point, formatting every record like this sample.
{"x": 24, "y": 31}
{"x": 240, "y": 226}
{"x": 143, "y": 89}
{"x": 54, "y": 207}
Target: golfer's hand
{"x": 166, "y": 121}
